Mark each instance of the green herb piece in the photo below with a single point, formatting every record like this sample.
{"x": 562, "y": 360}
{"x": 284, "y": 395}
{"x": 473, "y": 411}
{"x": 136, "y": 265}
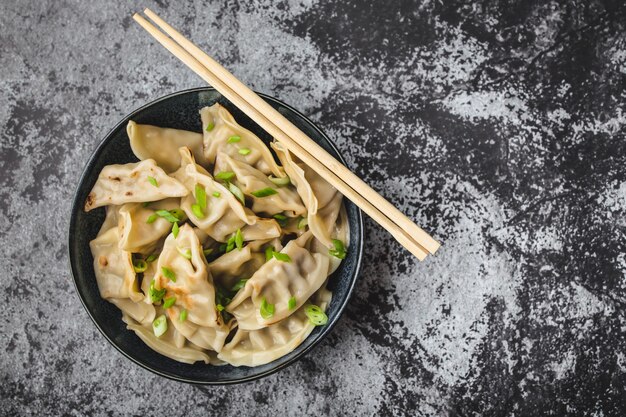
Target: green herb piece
{"x": 280, "y": 181}
{"x": 146, "y": 204}
{"x": 167, "y": 215}
{"x": 244, "y": 151}
{"x": 281, "y": 219}
{"x": 151, "y": 218}
{"x": 316, "y": 315}
{"x": 156, "y": 295}
{"x": 230, "y": 244}
{"x": 222, "y": 248}
{"x": 179, "y": 214}
{"x": 183, "y": 315}
{"x": 303, "y": 222}
{"x": 197, "y": 211}
{"x": 217, "y": 194}
{"x": 239, "y": 239}
{"x": 233, "y": 139}
{"x": 201, "y": 196}
{"x": 239, "y": 285}
{"x": 264, "y": 192}
{"x": 283, "y": 257}
{"x": 225, "y": 175}
{"x": 210, "y": 126}
{"x": 168, "y": 273}
{"x": 153, "y": 181}
{"x": 207, "y": 251}
{"x": 237, "y": 193}
{"x": 267, "y": 309}
{"x": 139, "y": 265}
{"x": 186, "y": 253}
{"x": 168, "y": 302}
{"x": 175, "y": 230}
{"x": 292, "y": 303}
{"x": 152, "y": 258}
{"x": 219, "y": 307}
{"x": 269, "y": 252}
{"x": 339, "y": 251}
{"x": 159, "y": 325}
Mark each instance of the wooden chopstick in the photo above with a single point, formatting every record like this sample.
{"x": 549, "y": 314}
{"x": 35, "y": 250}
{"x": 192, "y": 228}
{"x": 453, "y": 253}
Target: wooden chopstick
{"x": 259, "y": 111}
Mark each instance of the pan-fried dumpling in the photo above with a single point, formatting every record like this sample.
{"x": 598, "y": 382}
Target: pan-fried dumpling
{"x": 136, "y": 234}
{"x": 224, "y": 214}
{"x": 110, "y": 220}
{"x": 161, "y": 144}
{"x": 285, "y": 200}
{"x": 113, "y": 267}
{"x": 192, "y": 284}
{"x": 258, "y": 347}
{"x": 138, "y": 182}
{"x": 143, "y": 313}
{"x": 276, "y": 282}
{"x": 223, "y": 134}
{"x": 212, "y": 338}
{"x": 321, "y": 199}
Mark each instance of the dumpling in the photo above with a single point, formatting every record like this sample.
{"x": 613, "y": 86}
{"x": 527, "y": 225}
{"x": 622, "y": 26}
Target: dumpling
{"x": 212, "y": 338}
{"x": 110, "y": 220}
{"x": 161, "y": 144}
{"x": 278, "y": 281}
{"x": 322, "y": 200}
{"x": 258, "y": 347}
{"x": 133, "y": 183}
{"x": 143, "y": 313}
{"x": 190, "y": 281}
{"x": 113, "y": 267}
{"x": 136, "y": 234}
{"x": 223, "y": 134}
{"x": 224, "y": 214}
{"x": 285, "y": 200}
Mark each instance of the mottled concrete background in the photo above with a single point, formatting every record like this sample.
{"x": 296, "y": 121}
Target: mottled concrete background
{"x": 499, "y": 126}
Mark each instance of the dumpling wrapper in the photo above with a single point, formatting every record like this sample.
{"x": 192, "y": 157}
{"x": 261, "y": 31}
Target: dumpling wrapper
{"x": 225, "y": 127}
{"x": 212, "y": 338}
{"x": 277, "y": 281}
{"x": 128, "y": 183}
{"x": 136, "y": 234}
{"x": 143, "y": 313}
{"x": 249, "y": 179}
{"x": 162, "y": 144}
{"x": 258, "y": 347}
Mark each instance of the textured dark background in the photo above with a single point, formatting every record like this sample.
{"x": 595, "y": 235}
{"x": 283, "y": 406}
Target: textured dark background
{"x": 498, "y": 126}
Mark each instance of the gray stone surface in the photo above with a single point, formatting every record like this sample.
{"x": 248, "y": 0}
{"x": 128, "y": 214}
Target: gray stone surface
{"x": 498, "y": 126}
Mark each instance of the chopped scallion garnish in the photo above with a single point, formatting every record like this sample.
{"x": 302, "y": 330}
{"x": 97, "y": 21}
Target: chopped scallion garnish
{"x": 151, "y": 218}
{"x": 239, "y": 285}
{"x": 219, "y": 307}
{"x": 156, "y": 295}
{"x": 239, "y": 239}
{"x": 152, "y": 258}
{"x": 185, "y": 252}
{"x": 168, "y": 302}
{"x": 159, "y": 325}
{"x": 179, "y": 214}
{"x": 283, "y": 257}
{"x": 139, "y": 265}
{"x": 230, "y": 244}
{"x": 264, "y": 192}
{"x": 225, "y": 175}
{"x": 183, "y": 315}
{"x": 217, "y": 194}
{"x": 153, "y": 181}
{"x": 207, "y": 251}
{"x": 292, "y": 303}
{"x": 197, "y": 211}
{"x": 200, "y": 196}
{"x": 233, "y": 139}
{"x": 237, "y": 192}
{"x": 280, "y": 181}
{"x": 175, "y": 229}
{"x": 269, "y": 251}
{"x": 267, "y": 309}
{"x": 281, "y": 219}
{"x": 244, "y": 151}
{"x": 316, "y": 315}
{"x": 167, "y": 215}
{"x": 303, "y": 222}
{"x": 168, "y": 273}
{"x": 210, "y": 126}
{"x": 339, "y": 251}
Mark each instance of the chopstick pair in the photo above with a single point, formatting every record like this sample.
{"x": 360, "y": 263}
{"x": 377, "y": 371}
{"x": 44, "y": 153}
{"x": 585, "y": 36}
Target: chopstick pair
{"x": 407, "y": 233}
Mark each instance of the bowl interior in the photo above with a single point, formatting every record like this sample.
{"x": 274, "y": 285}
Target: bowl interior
{"x": 180, "y": 110}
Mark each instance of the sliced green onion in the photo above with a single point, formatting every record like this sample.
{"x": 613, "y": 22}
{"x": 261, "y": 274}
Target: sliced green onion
{"x": 303, "y": 222}
{"x": 179, "y": 214}
{"x": 167, "y": 215}
{"x": 168, "y": 273}
{"x": 159, "y": 325}
{"x": 280, "y": 181}
{"x": 217, "y": 194}
{"x": 264, "y": 192}
{"x": 222, "y": 248}
{"x": 267, "y": 309}
{"x": 316, "y": 315}
{"x": 233, "y": 139}
{"x": 239, "y": 285}
{"x": 153, "y": 181}
{"x": 168, "y": 302}
{"x": 283, "y": 257}
{"x": 339, "y": 251}
{"x": 183, "y": 315}
{"x": 219, "y": 307}
{"x": 151, "y": 218}
{"x": 237, "y": 193}
{"x": 146, "y": 204}
{"x": 175, "y": 230}
{"x": 210, "y": 126}
{"x": 156, "y": 295}
{"x": 292, "y": 303}
{"x": 207, "y": 252}
{"x": 244, "y": 151}
{"x": 139, "y": 265}
{"x": 152, "y": 258}
{"x": 200, "y": 196}
{"x": 230, "y": 244}
{"x": 225, "y": 175}
{"x": 269, "y": 252}
{"x": 281, "y": 219}
{"x": 239, "y": 239}
{"x": 197, "y": 211}
{"x": 186, "y": 253}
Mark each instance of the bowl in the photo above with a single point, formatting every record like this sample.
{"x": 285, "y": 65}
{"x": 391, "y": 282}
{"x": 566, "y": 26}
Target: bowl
{"x": 180, "y": 110}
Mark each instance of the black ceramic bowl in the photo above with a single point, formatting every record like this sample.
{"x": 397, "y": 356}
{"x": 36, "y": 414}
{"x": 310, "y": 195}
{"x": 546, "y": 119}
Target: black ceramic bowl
{"x": 180, "y": 110}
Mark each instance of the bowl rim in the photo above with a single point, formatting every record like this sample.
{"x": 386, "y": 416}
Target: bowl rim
{"x": 71, "y": 230}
